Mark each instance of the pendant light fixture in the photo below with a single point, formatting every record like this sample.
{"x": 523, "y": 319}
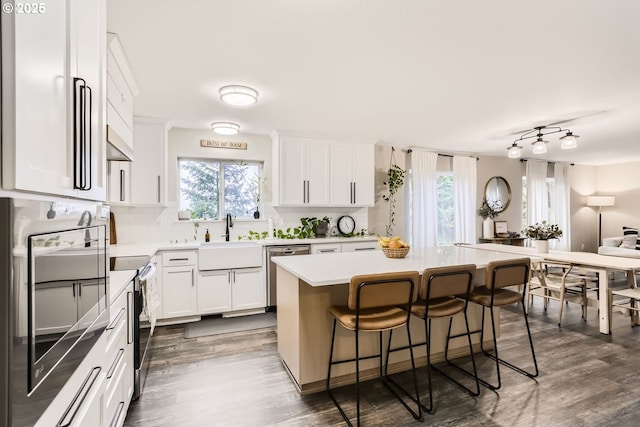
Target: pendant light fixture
{"x": 567, "y": 142}
{"x": 238, "y": 95}
{"x": 225, "y": 128}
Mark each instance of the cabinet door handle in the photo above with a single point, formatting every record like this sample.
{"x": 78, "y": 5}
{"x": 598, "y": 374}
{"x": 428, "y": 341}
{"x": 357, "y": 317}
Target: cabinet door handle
{"x": 129, "y": 317}
{"x": 158, "y": 188}
{"x": 122, "y": 173}
{"x": 72, "y": 410}
{"x": 353, "y": 184}
{"x": 234, "y": 276}
{"x": 82, "y": 134}
{"x": 193, "y": 280}
{"x": 115, "y": 321}
{"x": 228, "y": 276}
{"x": 116, "y": 415}
{"x": 115, "y": 363}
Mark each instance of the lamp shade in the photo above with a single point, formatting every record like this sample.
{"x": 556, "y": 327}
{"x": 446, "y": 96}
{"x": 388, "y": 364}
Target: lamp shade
{"x": 599, "y": 201}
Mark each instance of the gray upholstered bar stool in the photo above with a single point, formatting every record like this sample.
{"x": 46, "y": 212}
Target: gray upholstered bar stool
{"x": 499, "y": 275}
{"x": 376, "y": 303}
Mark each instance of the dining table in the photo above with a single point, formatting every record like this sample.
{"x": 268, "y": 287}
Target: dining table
{"x": 602, "y": 265}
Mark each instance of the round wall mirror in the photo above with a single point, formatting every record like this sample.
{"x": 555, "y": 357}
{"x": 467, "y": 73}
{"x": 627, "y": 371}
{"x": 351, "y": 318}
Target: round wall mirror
{"x": 498, "y": 193}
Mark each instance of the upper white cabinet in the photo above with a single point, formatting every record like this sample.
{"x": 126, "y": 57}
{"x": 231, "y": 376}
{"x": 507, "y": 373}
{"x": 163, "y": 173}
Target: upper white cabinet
{"x": 318, "y": 172}
{"x": 143, "y": 181}
{"x": 148, "y": 177}
{"x": 121, "y": 89}
{"x": 302, "y": 171}
{"x": 53, "y": 112}
{"x": 352, "y": 174}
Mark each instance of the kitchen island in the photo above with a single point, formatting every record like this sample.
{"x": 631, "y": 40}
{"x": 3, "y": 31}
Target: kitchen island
{"x": 309, "y": 284}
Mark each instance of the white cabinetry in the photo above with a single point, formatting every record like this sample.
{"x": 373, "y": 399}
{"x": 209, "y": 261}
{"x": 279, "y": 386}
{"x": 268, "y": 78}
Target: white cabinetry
{"x": 179, "y": 287}
{"x": 317, "y": 172}
{"x": 222, "y": 291}
{"x": 53, "y": 110}
{"x": 120, "y": 182}
{"x": 121, "y": 88}
{"x": 352, "y": 174}
{"x": 326, "y": 248}
{"x": 370, "y": 245}
{"x": 119, "y": 375}
{"x": 148, "y": 170}
{"x": 81, "y": 402}
{"x": 302, "y": 171}
{"x": 142, "y": 182}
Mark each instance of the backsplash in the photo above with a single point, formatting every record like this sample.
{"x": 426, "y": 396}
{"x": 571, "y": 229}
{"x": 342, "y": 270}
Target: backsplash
{"x": 137, "y": 224}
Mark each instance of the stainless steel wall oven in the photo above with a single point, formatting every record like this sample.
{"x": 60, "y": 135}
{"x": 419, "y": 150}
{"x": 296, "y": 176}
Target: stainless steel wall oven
{"x": 54, "y": 282}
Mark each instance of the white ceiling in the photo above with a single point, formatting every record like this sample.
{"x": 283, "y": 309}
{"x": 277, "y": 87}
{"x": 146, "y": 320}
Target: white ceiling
{"x": 452, "y": 75}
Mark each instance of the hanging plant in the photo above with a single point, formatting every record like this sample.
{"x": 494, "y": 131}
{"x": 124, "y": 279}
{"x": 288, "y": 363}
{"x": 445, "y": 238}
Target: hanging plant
{"x": 395, "y": 181}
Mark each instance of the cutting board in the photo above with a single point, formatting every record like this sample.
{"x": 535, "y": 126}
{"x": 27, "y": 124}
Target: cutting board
{"x": 113, "y": 238}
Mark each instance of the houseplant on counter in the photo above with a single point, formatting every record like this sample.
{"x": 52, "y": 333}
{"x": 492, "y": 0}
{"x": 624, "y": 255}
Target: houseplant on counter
{"x": 487, "y": 213}
{"x": 542, "y": 233}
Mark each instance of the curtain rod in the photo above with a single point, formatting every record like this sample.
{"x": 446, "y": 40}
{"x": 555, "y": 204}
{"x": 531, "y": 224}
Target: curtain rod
{"x": 524, "y": 160}
{"x": 408, "y": 151}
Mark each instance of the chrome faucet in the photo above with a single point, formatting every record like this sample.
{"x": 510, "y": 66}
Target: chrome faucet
{"x": 87, "y": 235}
{"x": 229, "y": 225}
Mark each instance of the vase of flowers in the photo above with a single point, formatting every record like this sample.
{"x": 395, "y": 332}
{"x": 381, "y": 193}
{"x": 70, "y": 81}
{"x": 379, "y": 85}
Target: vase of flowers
{"x": 541, "y": 233}
{"x": 487, "y": 213}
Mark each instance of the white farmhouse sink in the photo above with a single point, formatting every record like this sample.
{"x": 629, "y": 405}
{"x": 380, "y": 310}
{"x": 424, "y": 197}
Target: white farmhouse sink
{"x": 225, "y": 255}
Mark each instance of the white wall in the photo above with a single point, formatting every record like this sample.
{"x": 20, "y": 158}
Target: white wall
{"x": 623, "y": 182}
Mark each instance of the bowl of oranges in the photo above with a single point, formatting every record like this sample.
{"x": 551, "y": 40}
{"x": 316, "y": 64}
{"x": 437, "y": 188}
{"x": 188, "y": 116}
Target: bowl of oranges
{"x": 393, "y": 247}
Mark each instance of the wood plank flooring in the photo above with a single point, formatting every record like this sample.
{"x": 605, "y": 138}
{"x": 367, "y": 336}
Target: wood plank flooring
{"x": 586, "y": 379}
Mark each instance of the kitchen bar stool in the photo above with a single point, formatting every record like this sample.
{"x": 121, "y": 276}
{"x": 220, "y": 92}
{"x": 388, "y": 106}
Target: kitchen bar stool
{"x": 499, "y": 275}
{"x": 443, "y": 293}
{"x": 376, "y": 303}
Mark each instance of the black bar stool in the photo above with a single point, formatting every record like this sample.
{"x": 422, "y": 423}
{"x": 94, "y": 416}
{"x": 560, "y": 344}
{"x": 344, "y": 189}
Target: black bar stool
{"x": 443, "y": 293}
{"x": 501, "y": 274}
{"x": 376, "y": 303}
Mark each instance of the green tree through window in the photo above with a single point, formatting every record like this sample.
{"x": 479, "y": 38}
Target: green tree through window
{"x": 201, "y": 190}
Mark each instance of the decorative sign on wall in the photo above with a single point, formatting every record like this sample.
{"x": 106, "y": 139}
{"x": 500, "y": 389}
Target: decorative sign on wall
{"x": 223, "y": 144}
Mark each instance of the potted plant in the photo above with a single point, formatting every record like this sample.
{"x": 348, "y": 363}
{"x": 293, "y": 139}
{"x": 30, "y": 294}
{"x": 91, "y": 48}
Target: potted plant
{"x": 395, "y": 181}
{"x": 487, "y": 213}
{"x": 542, "y": 233}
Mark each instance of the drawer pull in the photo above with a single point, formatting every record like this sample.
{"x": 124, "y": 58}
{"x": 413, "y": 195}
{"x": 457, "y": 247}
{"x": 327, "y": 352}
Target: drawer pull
{"x": 178, "y": 259}
{"x": 116, "y": 416}
{"x": 72, "y": 409}
{"x": 365, "y": 249}
{"x": 115, "y": 363}
{"x": 116, "y": 320}
{"x": 326, "y": 251}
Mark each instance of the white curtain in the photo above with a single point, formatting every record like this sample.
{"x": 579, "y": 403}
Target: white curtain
{"x": 561, "y": 204}
{"x": 537, "y": 194}
{"x": 464, "y": 198}
{"x": 424, "y": 180}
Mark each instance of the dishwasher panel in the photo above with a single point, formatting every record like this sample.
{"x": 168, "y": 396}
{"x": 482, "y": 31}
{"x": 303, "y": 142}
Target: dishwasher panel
{"x": 274, "y": 251}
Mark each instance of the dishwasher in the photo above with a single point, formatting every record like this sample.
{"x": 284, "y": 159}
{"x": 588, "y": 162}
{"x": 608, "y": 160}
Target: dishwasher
{"x": 274, "y": 251}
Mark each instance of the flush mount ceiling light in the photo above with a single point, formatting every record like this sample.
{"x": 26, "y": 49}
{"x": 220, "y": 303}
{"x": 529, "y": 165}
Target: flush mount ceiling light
{"x": 567, "y": 142}
{"x": 238, "y": 95}
{"x": 225, "y": 128}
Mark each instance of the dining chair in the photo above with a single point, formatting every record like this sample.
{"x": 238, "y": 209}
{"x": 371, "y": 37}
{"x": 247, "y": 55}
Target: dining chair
{"x": 629, "y": 300}
{"x": 556, "y": 281}
{"x": 376, "y": 303}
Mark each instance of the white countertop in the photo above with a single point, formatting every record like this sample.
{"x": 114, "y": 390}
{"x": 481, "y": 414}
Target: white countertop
{"x": 338, "y": 268}
{"x": 151, "y": 248}
{"x": 118, "y": 280}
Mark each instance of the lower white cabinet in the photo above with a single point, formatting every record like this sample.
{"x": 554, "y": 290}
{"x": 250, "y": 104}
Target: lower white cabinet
{"x": 81, "y": 402}
{"x": 221, "y": 291}
{"x": 119, "y": 366}
{"x": 179, "y": 292}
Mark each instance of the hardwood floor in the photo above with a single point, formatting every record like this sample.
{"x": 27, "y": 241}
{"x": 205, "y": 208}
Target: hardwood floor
{"x": 586, "y": 379}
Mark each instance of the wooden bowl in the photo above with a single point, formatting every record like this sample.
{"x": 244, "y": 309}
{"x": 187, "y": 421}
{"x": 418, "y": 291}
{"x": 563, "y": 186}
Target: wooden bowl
{"x": 395, "y": 252}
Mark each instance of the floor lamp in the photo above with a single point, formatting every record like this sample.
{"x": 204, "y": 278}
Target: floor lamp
{"x": 599, "y": 202}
